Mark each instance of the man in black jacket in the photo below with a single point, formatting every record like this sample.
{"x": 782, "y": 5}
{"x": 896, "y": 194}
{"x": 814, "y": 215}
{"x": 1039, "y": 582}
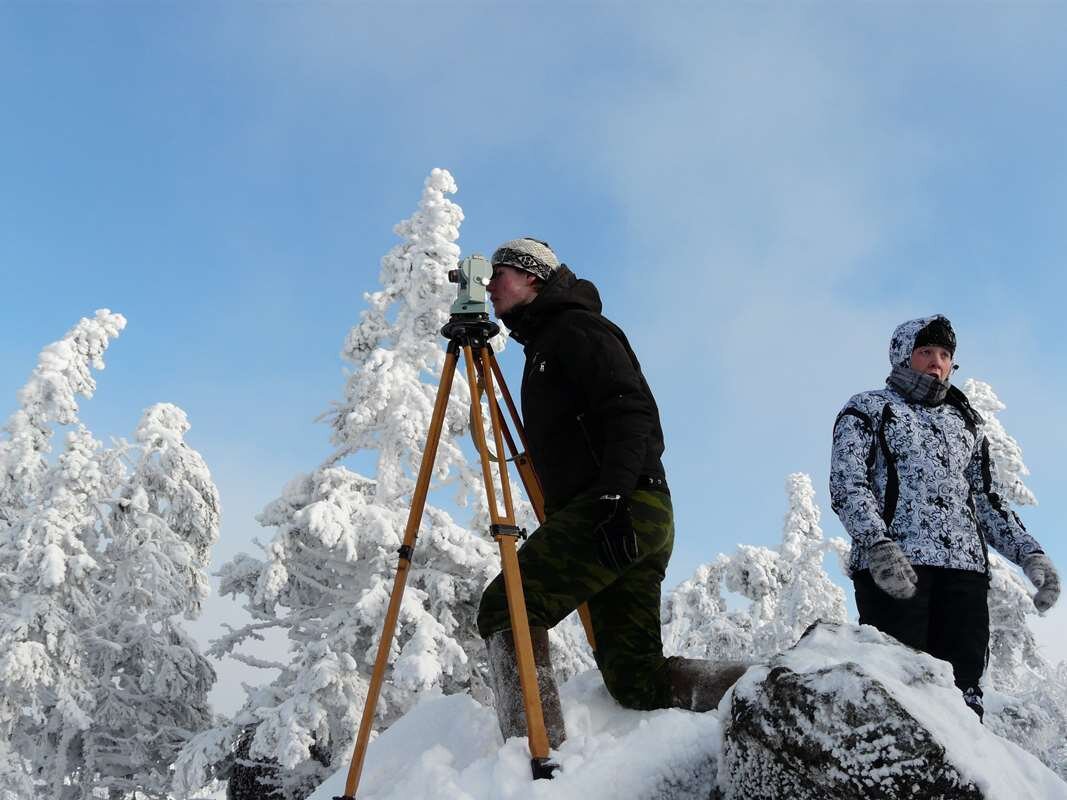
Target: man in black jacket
{"x": 594, "y": 437}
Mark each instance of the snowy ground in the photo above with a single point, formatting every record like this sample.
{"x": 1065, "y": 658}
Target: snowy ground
{"x": 449, "y": 747}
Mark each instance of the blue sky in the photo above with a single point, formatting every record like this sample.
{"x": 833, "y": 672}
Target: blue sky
{"x": 761, "y": 192}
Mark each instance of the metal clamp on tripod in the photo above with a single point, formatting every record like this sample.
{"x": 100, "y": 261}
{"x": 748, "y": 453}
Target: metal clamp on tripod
{"x": 469, "y": 330}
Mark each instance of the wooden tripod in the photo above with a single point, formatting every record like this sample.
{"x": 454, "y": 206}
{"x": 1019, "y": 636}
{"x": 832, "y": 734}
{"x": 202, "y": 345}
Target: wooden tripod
{"x": 470, "y": 334}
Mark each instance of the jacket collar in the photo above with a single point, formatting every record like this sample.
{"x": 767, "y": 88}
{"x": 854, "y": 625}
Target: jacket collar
{"x": 563, "y": 290}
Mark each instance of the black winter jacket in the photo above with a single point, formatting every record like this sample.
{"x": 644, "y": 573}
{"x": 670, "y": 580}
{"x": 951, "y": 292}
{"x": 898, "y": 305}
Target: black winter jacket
{"x": 591, "y": 422}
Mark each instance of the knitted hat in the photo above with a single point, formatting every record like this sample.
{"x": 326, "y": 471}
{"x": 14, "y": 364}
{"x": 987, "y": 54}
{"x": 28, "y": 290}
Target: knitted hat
{"x": 938, "y": 333}
{"x": 529, "y": 255}
{"x": 934, "y": 330}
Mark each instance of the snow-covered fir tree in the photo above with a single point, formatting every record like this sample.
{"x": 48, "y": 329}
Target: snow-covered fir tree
{"x": 161, "y": 532}
{"x": 48, "y": 562}
{"x": 788, "y": 587}
{"x": 697, "y": 621}
{"x": 46, "y": 676}
{"x": 49, "y": 398}
{"x": 1008, "y": 467}
{"x": 1012, "y": 646}
{"x": 58, "y": 565}
{"x": 1029, "y": 702}
{"x": 326, "y": 576}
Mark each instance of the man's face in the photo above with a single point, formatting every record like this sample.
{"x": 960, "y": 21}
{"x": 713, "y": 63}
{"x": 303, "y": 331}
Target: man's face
{"x": 932, "y": 360}
{"x": 510, "y": 288}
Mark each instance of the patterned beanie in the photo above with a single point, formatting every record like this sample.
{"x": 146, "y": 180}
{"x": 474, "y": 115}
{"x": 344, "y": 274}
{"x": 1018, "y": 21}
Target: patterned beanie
{"x": 529, "y": 255}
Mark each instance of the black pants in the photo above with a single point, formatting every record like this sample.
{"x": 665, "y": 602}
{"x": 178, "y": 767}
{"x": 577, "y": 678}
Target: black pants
{"x": 948, "y": 617}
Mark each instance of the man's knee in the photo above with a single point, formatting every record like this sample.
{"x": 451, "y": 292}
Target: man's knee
{"x": 640, "y": 685}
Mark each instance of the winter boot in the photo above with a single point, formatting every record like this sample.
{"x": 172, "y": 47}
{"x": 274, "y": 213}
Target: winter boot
{"x": 973, "y": 698}
{"x": 504, "y": 680}
{"x": 698, "y": 684}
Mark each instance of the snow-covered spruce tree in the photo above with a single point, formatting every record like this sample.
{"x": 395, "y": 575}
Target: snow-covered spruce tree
{"x": 161, "y": 531}
{"x": 49, "y": 540}
{"x": 1030, "y": 704}
{"x": 697, "y": 622}
{"x": 1012, "y": 646}
{"x": 58, "y": 566}
{"x": 326, "y": 577}
{"x": 49, "y": 398}
{"x": 788, "y": 587}
{"x": 1007, "y": 455}
{"x": 47, "y": 677}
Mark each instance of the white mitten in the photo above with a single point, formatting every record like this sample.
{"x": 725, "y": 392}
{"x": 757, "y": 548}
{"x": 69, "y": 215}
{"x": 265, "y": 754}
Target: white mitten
{"x": 891, "y": 570}
{"x": 1043, "y": 575}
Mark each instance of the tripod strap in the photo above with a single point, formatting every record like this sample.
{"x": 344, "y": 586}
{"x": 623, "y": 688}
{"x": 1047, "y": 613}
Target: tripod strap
{"x": 493, "y": 458}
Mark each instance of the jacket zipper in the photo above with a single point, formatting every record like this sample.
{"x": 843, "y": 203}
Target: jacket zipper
{"x": 588, "y": 440}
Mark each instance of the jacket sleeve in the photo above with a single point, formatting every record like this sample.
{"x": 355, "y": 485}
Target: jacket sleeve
{"x": 1000, "y": 526}
{"x": 851, "y": 467}
{"x": 617, "y": 403}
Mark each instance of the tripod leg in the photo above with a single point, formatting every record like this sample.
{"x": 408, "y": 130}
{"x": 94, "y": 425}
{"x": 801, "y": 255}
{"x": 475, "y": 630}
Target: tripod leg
{"x": 411, "y": 531}
{"x": 505, "y": 532}
{"x": 528, "y": 475}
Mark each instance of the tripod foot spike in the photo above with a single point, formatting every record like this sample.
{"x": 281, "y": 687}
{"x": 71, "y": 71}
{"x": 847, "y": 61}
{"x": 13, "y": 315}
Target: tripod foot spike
{"x": 542, "y": 768}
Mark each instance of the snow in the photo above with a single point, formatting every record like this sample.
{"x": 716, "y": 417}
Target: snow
{"x": 53, "y": 567}
{"x": 450, "y": 747}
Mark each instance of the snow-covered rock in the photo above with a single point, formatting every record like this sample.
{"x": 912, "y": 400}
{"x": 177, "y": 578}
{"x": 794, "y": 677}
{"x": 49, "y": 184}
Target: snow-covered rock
{"x": 851, "y": 713}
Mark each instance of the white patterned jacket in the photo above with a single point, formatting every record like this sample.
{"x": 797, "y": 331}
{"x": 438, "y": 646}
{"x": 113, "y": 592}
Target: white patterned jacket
{"x": 921, "y": 476}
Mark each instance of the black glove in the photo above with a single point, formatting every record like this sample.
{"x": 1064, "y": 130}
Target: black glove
{"x": 616, "y": 541}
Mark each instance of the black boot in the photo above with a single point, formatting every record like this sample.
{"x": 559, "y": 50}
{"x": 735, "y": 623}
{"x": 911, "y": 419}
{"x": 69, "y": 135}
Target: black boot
{"x": 972, "y": 696}
{"x": 504, "y": 680}
{"x": 699, "y": 684}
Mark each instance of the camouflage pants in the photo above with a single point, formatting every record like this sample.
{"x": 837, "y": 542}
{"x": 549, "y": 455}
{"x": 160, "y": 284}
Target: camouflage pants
{"x": 560, "y": 571}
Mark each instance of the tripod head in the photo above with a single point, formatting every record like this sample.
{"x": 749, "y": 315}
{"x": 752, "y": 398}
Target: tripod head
{"x": 474, "y": 330}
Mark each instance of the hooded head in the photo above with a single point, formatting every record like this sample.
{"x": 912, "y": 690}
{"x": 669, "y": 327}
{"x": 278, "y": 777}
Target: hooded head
{"x": 935, "y": 330}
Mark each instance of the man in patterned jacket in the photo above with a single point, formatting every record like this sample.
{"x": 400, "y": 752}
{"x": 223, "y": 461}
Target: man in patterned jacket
{"x": 911, "y": 480}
